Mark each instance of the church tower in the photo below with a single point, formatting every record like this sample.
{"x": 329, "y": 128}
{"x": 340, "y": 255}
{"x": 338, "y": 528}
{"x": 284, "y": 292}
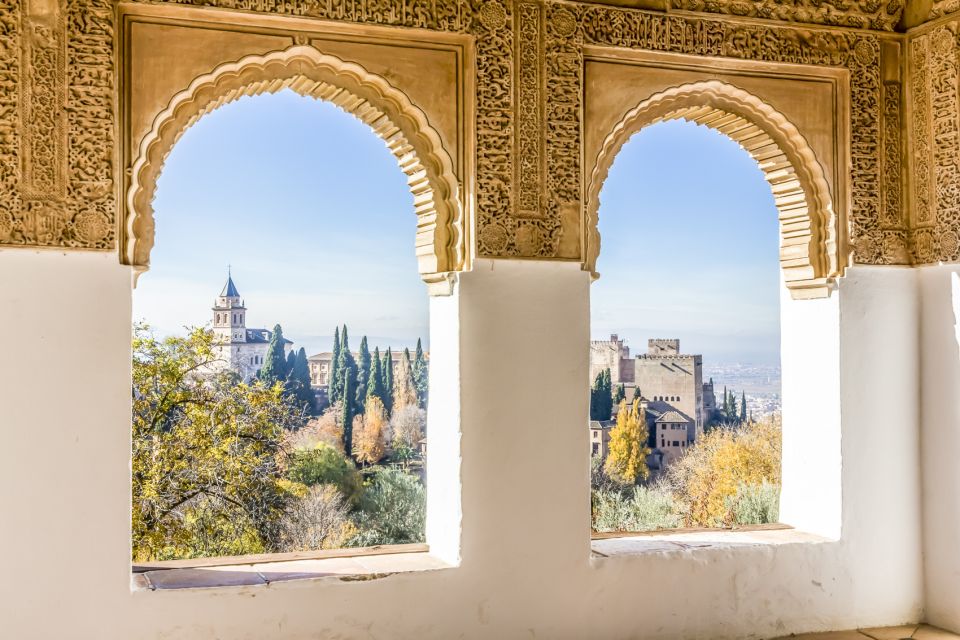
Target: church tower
{"x": 229, "y": 315}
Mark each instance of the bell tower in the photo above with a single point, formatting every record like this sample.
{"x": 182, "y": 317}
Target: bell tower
{"x": 229, "y": 315}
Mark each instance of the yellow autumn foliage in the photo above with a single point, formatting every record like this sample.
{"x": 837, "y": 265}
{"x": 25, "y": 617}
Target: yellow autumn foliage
{"x": 627, "y": 457}
{"x": 709, "y": 474}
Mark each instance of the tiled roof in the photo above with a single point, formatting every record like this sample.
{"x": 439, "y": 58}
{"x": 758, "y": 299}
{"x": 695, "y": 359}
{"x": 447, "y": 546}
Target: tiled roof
{"x": 672, "y": 416}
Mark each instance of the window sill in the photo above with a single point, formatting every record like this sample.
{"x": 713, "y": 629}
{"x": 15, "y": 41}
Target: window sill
{"x": 631, "y": 544}
{"x": 364, "y": 565}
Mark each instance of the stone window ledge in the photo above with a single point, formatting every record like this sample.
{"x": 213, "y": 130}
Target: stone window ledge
{"x": 345, "y": 568}
{"x": 610, "y": 545}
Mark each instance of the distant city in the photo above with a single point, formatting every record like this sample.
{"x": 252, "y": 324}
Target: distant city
{"x": 761, "y": 383}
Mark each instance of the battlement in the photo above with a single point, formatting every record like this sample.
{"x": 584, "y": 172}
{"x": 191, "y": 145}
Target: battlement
{"x": 663, "y": 346}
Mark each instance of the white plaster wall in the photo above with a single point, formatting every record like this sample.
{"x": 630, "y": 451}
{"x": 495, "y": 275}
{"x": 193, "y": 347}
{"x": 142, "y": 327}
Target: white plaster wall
{"x": 525, "y": 570}
{"x": 940, "y": 442}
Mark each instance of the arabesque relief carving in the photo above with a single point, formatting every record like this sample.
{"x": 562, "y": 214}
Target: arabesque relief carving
{"x": 57, "y": 124}
{"x": 881, "y": 15}
{"x": 58, "y": 175}
{"x": 935, "y": 141}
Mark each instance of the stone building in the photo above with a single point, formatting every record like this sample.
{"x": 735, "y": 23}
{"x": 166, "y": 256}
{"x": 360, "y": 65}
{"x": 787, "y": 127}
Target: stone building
{"x": 669, "y": 381}
{"x": 240, "y": 349}
{"x": 322, "y": 363}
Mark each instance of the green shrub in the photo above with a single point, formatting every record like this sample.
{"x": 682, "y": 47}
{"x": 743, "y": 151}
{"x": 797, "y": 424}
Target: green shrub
{"x": 393, "y": 510}
{"x": 325, "y": 465}
{"x": 635, "y": 509}
{"x": 755, "y": 503}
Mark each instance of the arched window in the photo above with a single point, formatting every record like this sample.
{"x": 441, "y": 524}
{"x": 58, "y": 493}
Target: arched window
{"x": 690, "y": 188}
{"x": 275, "y": 146}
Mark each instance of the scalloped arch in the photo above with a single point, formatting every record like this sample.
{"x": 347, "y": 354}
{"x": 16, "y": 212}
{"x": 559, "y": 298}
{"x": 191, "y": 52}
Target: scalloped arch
{"x": 440, "y": 238}
{"x": 812, "y": 247}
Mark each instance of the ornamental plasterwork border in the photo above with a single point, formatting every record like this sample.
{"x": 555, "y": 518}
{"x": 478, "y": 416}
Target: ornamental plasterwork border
{"x": 934, "y": 133}
{"x": 390, "y": 114}
{"x": 57, "y": 124}
{"x": 873, "y": 241}
{"x": 810, "y": 251}
{"x": 86, "y": 216}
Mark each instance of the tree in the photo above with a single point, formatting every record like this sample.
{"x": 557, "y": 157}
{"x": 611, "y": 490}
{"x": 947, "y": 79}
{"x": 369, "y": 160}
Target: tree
{"x": 421, "y": 374}
{"x": 346, "y": 417}
{"x": 743, "y": 407}
{"x": 334, "y": 381}
{"x": 346, "y": 373}
{"x": 387, "y": 372}
{"x": 619, "y": 395}
{"x": 363, "y": 371}
{"x": 299, "y": 380}
{"x": 601, "y": 400}
{"x": 708, "y": 477}
{"x": 324, "y": 429}
{"x": 627, "y": 459}
{"x": 275, "y": 362}
{"x": 206, "y": 476}
{"x": 326, "y": 465}
{"x": 406, "y": 428}
{"x": 404, "y": 389}
{"x": 291, "y": 361}
{"x": 636, "y": 394}
{"x": 375, "y": 382}
{"x": 318, "y": 519}
{"x": 370, "y": 437}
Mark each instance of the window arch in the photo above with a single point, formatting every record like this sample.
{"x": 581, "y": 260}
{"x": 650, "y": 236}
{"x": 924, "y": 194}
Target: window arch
{"x": 812, "y": 238}
{"x": 440, "y": 242}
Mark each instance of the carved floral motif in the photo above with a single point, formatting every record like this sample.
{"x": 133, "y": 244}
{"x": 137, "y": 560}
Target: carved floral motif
{"x": 881, "y": 15}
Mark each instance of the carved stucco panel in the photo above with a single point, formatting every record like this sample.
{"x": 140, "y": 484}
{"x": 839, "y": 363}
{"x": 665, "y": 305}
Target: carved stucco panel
{"x": 881, "y": 15}
{"x": 57, "y": 124}
{"x": 11, "y": 217}
{"x": 525, "y": 210}
{"x": 934, "y": 73}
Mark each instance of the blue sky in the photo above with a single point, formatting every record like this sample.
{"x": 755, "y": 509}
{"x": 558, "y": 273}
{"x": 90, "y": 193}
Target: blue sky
{"x": 298, "y": 196}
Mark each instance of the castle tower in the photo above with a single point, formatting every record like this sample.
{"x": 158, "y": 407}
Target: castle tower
{"x": 229, "y": 315}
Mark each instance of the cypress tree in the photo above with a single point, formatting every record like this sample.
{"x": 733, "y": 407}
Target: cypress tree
{"x": 619, "y": 395}
{"x": 347, "y": 372}
{"x": 274, "y": 364}
{"x": 743, "y": 407}
{"x": 726, "y": 403}
{"x": 375, "y": 382}
{"x": 405, "y": 391}
{"x": 421, "y": 373}
{"x": 636, "y": 394}
{"x": 363, "y": 371}
{"x": 300, "y": 377}
{"x": 387, "y": 373}
{"x": 596, "y": 410}
{"x": 608, "y": 395}
{"x": 346, "y": 418}
{"x": 334, "y": 381}
{"x": 291, "y": 361}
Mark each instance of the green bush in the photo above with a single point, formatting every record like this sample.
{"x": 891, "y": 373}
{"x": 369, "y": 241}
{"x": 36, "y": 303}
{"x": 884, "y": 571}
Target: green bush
{"x": 755, "y": 503}
{"x": 325, "y": 465}
{"x": 393, "y": 510}
{"x": 635, "y": 509}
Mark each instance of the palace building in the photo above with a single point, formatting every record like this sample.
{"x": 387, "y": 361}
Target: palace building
{"x": 241, "y": 349}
